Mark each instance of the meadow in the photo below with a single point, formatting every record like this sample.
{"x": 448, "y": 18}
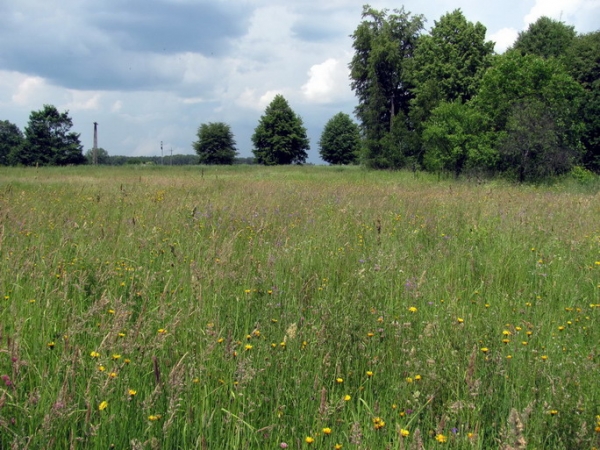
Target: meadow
{"x": 296, "y": 307}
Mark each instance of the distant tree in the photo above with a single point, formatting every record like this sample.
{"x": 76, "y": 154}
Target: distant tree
{"x": 457, "y": 137}
{"x": 11, "y": 139}
{"x": 545, "y": 37}
{"x": 49, "y": 141}
{"x": 280, "y": 137}
{"x": 215, "y": 144}
{"x": 381, "y": 79}
{"x": 101, "y": 154}
{"x": 340, "y": 140}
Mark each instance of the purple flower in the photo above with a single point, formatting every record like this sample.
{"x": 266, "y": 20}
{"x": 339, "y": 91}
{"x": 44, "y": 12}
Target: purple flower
{"x": 6, "y": 380}
{"x": 283, "y": 445}
{"x": 454, "y": 430}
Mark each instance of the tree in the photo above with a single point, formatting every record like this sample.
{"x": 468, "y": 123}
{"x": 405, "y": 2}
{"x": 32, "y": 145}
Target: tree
{"x": 215, "y": 144}
{"x": 449, "y": 64}
{"x": 340, "y": 140}
{"x": 102, "y": 156}
{"x": 11, "y": 139}
{"x": 458, "y": 137}
{"x": 48, "y": 141}
{"x": 545, "y": 38}
{"x": 280, "y": 137}
{"x": 531, "y": 147}
{"x": 380, "y": 72}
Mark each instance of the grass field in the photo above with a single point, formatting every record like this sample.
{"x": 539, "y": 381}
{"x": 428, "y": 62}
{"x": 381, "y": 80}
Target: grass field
{"x": 296, "y": 307}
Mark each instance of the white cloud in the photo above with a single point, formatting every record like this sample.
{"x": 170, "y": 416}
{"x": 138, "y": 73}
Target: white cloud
{"x": 28, "y": 89}
{"x": 251, "y": 100}
{"x": 327, "y": 81}
{"x": 576, "y": 12}
{"x": 83, "y": 100}
{"x": 503, "y": 38}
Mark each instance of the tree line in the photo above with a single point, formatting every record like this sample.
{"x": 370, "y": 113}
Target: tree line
{"x": 440, "y": 101}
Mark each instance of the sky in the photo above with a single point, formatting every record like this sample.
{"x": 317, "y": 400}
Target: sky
{"x": 152, "y": 71}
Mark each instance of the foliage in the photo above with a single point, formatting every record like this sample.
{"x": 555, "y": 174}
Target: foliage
{"x": 142, "y": 308}
{"x": 546, "y": 38}
{"x": 215, "y": 144}
{"x": 49, "y": 141}
{"x": 102, "y": 156}
{"x": 457, "y": 137}
{"x": 11, "y": 139}
{"x": 531, "y": 146}
{"x": 280, "y": 136}
{"x": 380, "y": 73}
{"x": 449, "y": 64}
{"x": 340, "y": 140}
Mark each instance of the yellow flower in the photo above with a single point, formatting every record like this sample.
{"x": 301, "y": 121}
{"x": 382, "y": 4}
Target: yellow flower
{"x": 339, "y": 380}
{"x": 378, "y": 423}
{"x": 113, "y": 375}
{"x": 506, "y": 333}
{"x": 116, "y": 356}
{"x": 327, "y": 430}
{"x": 553, "y": 412}
{"x": 409, "y": 380}
{"x": 441, "y": 438}
{"x": 309, "y": 440}
{"x": 247, "y": 347}
{"x": 485, "y": 349}
{"x": 370, "y": 334}
{"x": 460, "y": 319}
{"x": 111, "y": 311}
{"x": 369, "y": 373}
{"x": 404, "y": 433}
{"x": 51, "y": 345}
{"x": 162, "y": 331}
{"x": 102, "y": 406}
{"x": 544, "y": 357}
{"x": 101, "y": 368}
{"x": 131, "y": 392}
{"x": 153, "y": 417}
{"x": 347, "y": 398}
{"x": 417, "y": 377}
{"x": 95, "y": 354}
{"x": 412, "y": 309}
{"x": 337, "y": 446}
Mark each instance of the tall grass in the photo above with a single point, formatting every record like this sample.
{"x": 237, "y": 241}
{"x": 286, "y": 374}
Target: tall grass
{"x": 252, "y": 307}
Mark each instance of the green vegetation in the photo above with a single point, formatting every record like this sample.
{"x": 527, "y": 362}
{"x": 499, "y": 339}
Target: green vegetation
{"x": 257, "y": 307}
{"x": 215, "y": 144}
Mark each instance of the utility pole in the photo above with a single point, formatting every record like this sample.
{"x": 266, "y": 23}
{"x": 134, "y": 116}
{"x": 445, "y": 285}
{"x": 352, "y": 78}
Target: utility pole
{"x": 95, "y": 149}
{"x": 171, "y": 155}
{"x": 162, "y": 161}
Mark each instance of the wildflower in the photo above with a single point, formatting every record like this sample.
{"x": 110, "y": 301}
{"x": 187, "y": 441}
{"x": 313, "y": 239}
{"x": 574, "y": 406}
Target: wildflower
{"x": 370, "y": 334}
{"x": 132, "y": 392}
{"x": 220, "y": 340}
{"x": 95, "y": 354}
{"x": 153, "y": 417}
{"x": 508, "y": 356}
{"x": 417, "y": 377}
{"x": 544, "y": 357}
{"x": 347, "y": 398}
{"x": 337, "y": 446}
{"x": 339, "y": 380}
{"x": 412, "y": 309}
{"x": 505, "y": 341}
{"x": 51, "y": 345}
{"x": 111, "y": 311}
{"x": 369, "y": 373}
{"x": 309, "y": 440}
{"x": 102, "y": 406}
{"x": 247, "y": 347}
{"x": 441, "y": 438}
{"x": 126, "y": 360}
{"x": 460, "y": 319}
{"x": 282, "y": 344}
{"x": 101, "y": 368}
{"x": 113, "y": 375}
{"x": 326, "y": 431}
{"x": 121, "y": 334}
{"x": 404, "y": 433}
{"x": 378, "y": 423}
{"x": 553, "y": 412}
{"x": 485, "y": 349}
{"x": 283, "y": 445}
{"x": 506, "y": 333}
{"x": 409, "y": 380}
{"x": 116, "y": 356}
{"x": 162, "y": 331}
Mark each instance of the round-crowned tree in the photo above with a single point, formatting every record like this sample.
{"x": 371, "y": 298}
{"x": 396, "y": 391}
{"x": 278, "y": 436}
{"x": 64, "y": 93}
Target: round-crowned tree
{"x": 280, "y": 137}
{"x": 215, "y": 144}
{"x": 340, "y": 140}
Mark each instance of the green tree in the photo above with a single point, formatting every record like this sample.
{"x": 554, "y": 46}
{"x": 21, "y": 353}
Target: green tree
{"x": 583, "y": 62}
{"x": 380, "y": 77}
{"x": 280, "y": 136}
{"x": 340, "y": 140}
{"x": 449, "y": 64}
{"x": 49, "y": 141}
{"x": 457, "y": 137}
{"x": 517, "y": 87}
{"x": 545, "y": 38}
{"x": 11, "y": 139}
{"x": 102, "y": 156}
{"x": 215, "y": 144}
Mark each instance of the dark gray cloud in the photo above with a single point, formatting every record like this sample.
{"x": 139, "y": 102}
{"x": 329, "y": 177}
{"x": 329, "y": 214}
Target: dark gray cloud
{"x": 114, "y": 45}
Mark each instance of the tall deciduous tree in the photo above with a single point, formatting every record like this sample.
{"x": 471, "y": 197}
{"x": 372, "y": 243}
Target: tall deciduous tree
{"x": 49, "y": 141}
{"x": 215, "y": 144}
{"x": 545, "y": 37}
{"x": 380, "y": 76}
{"x": 340, "y": 140}
{"x": 11, "y": 139}
{"x": 280, "y": 137}
{"x": 449, "y": 63}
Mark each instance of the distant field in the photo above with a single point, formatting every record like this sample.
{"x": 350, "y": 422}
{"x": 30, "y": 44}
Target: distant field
{"x": 295, "y": 307}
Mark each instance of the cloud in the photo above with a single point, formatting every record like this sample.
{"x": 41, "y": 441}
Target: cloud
{"x": 580, "y": 13}
{"x": 28, "y": 89}
{"x": 503, "y": 38}
{"x": 327, "y": 81}
{"x": 250, "y": 99}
